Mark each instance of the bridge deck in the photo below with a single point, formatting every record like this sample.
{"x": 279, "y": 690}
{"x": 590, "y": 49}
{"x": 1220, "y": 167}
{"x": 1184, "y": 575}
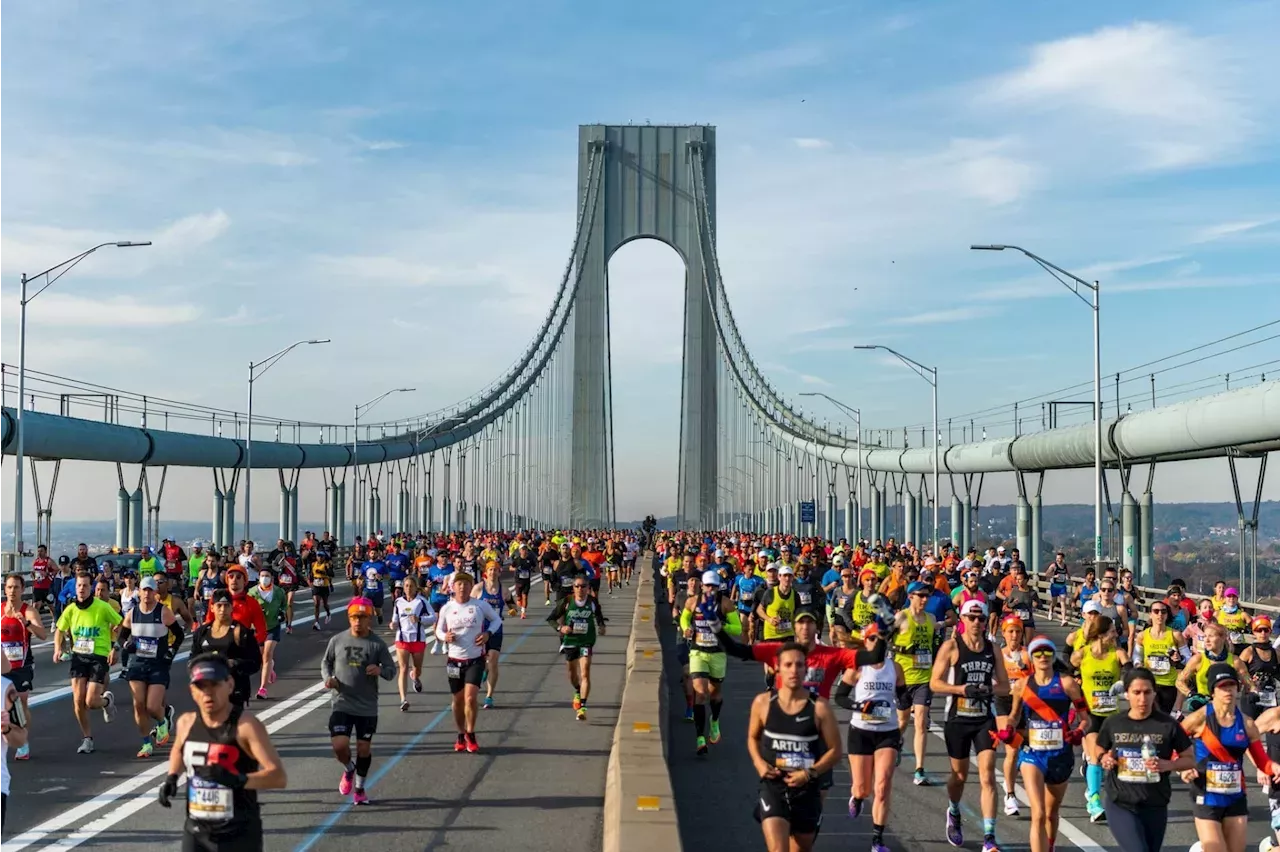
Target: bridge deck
{"x": 538, "y": 783}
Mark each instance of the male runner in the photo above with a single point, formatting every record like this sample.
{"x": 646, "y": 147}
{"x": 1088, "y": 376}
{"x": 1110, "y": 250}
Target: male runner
{"x": 90, "y": 625}
{"x": 145, "y": 631}
{"x": 578, "y": 619}
{"x": 465, "y": 626}
{"x": 701, "y": 620}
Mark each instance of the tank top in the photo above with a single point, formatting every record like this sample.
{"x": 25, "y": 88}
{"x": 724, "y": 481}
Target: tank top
{"x": 1265, "y": 673}
{"x": 15, "y": 638}
{"x": 1237, "y": 624}
{"x": 1087, "y": 592}
{"x": 1097, "y": 676}
{"x": 1060, "y": 574}
{"x": 1016, "y": 664}
{"x": 792, "y": 740}
{"x": 493, "y": 599}
{"x": 147, "y": 636}
{"x": 1219, "y": 755}
{"x": 209, "y": 585}
{"x": 863, "y": 610}
{"x": 782, "y": 608}
{"x": 1157, "y": 655}
{"x": 1044, "y": 711}
{"x": 972, "y": 667}
{"x": 129, "y": 601}
{"x": 913, "y": 648}
{"x": 1202, "y": 673}
{"x": 213, "y": 810}
{"x": 878, "y": 685}
{"x": 706, "y": 623}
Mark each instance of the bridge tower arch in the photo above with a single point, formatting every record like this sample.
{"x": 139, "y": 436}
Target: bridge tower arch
{"x": 646, "y": 190}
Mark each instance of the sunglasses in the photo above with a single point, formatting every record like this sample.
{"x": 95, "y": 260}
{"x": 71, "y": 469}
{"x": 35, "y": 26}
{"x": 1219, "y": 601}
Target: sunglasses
{"x": 1042, "y": 653}
{"x": 973, "y": 617}
{"x": 1159, "y": 612}
{"x": 579, "y": 586}
{"x": 1262, "y": 630}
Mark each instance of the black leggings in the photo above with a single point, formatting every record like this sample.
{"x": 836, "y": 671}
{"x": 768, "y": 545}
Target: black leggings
{"x": 1137, "y": 831}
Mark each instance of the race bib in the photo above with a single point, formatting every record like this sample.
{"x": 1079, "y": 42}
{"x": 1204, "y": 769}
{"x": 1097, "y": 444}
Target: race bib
{"x": 1103, "y": 701}
{"x": 1044, "y": 736}
{"x": 84, "y": 645}
{"x": 1267, "y": 697}
{"x": 794, "y": 760}
{"x": 580, "y": 627}
{"x": 1024, "y": 614}
{"x": 1225, "y": 779}
{"x": 208, "y": 593}
{"x": 146, "y": 647}
{"x": 208, "y": 801}
{"x": 15, "y": 652}
{"x": 706, "y": 637}
{"x": 806, "y": 598}
{"x": 453, "y": 670}
{"x": 783, "y": 625}
{"x": 1131, "y": 768}
{"x": 879, "y": 713}
{"x": 970, "y": 707}
{"x": 1159, "y": 664}
{"x": 922, "y": 659}
{"x": 1237, "y": 638}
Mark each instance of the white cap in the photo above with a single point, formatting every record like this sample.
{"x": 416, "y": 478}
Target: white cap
{"x": 973, "y": 606}
{"x": 198, "y": 543}
{"x": 763, "y": 553}
{"x": 1092, "y": 606}
{"x": 785, "y": 570}
{"x": 837, "y": 560}
{"x": 1000, "y": 549}
{"x": 719, "y": 552}
{"x": 710, "y": 578}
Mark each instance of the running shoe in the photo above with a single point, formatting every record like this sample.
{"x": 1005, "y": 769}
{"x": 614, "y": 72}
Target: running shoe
{"x": 359, "y": 797}
{"x": 990, "y": 845}
{"x": 262, "y": 692}
{"x": 272, "y": 677}
{"x": 404, "y": 706}
{"x": 86, "y": 746}
{"x": 955, "y": 834}
{"x": 1097, "y": 813}
{"x": 328, "y": 616}
{"x": 315, "y": 625}
{"x": 715, "y": 732}
{"x": 855, "y": 807}
{"x": 702, "y": 746}
{"x": 169, "y": 715}
{"x": 471, "y": 745}
{"x": 577, "y": 701}
{"x": 1011, "y": 805}
{"x": 23, "y": 752}
{"x": 460, "y": 744}
{"x": 417, "y": 684}
{"x": 161, "y": 733}
{"x": 488, "y": 702}
{"x": 523, "y": 614}
{"x": 582, "y": 714}
{"x": 920, "y": 779}
{"x": 147, "y": 749}
{"x": 688, "y": 714}
{"x": 288, "y": 629}
{"x": 344, "y": 786}
{"x": 109, "y": 708}
{"x": 879, "y": 847}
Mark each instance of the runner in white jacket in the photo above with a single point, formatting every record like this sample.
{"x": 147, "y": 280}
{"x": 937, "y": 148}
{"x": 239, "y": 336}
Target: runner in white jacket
{"x": 465, "y": 625}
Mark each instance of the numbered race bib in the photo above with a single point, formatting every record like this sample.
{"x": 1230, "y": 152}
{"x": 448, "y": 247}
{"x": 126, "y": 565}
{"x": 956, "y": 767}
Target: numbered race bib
{"x": 1044, "y": 736}
{"x": 1267, "y": 697}
{"x": 84, "y": 645}
{"x": 1237, "y": 638}
{"x": 806, "y": 598}
{"x": 453, "y": 670}
{"x": 208, "y": 593}
{"x": 208, "y": 801}
{"x": 794, "y": 760}
{"x": 879, "y": 713}
{"x": 580, "y": 627}
{"x": 922, "y": 660}
{"x": 566, "y": 582}
{"x": 16, "y": 652}
{"x": 1103, "y": 702}
{"x": 706, "y": 637}
{"x": 1159, "y": 664}
{"x": 784, "y": 624}
{"x": 145, "y": 647}
{"x": 1225, "y": 779}
{"x": 1022, "y": 613}
{"x": 1131, "y": 768}
{"x": 970, "y": 707}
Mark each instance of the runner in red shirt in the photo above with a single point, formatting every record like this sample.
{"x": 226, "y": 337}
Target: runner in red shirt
{"x": 824, "y": 662}
{"x": 42, "y": 571}
{"x": 244, "y": 610}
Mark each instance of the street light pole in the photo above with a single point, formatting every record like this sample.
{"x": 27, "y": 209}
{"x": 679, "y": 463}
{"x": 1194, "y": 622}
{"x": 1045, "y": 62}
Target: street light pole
{"x": 65, "y": 267}
{"x": 857, "y": 422}
{"x": 930, "y": 375}
{"x": 260, "y": 368}
{"x": 355, "y": 448}
{"x": 1074, "y": 285}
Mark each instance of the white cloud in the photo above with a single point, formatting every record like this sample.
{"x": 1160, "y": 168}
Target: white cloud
{"x": 982, "y": 169}
{"x": 811, "y": 143}
{"x": 63, "y": 310}
{"x": 245, "y": 147}
{"x": 192, "y": 231}
{"x": 383, "y": 145}
{"x": 1231, "y": 229}
{"x": 775, "y": 60}
{"x": 1163, "y": 92}
{"x": 944, "y": 316}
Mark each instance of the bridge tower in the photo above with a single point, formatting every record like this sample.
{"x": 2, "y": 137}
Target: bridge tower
{"x": 646, "y": 190}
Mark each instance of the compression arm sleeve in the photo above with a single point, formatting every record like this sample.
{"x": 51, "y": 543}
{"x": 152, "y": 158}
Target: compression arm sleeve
{"x": 1260, "y": 757}
{"x": 1184, "y": 651}
{"x": 841, "y": 695}
{"x": 733, "y": 623}
{"x": 734, "y": 649}
{"x": 686, "y": 619}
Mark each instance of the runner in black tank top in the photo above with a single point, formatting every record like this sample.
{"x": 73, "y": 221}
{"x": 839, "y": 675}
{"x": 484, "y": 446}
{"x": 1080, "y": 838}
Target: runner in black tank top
{"x": 227, "y": 756}
{"x": 241, "y": 654}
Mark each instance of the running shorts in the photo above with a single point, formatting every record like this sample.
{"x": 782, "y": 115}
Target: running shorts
{"x": 866, "y": 743}
{"x": 1095, "y": 722}
{"x": 1055, "y": 766}
{"x": 376, "y": 599}
{"x": 707, "y": 664}
{"x": 573, "y": 652}
{"x": 494, "y": 643}
{"x": 915, "y": 695}
{"x": 464, "y": 673}
{"x": 595, "y": 584}
{"x": 194, "y": 839}
{"x": 89, "y": 667}
{"x": 1165, "y": 698}
{"x": 1217, "y": 813}
{"x": 801, "y": 807}
{"x": 149, "y": 672}
{"x": 320, "y": 593}
{"x": 522, "y": 586}
{"x": 1057, "y": 590}
{"x": 349, "y": 725}
{"x": 963, "y": 737}
{"x": 40, "y": 596}
{"x": 995, "y": 606}
{"x": 23, "y": 678}
{"x": 411, "y": 647}
{"x": 1004, "y": 705}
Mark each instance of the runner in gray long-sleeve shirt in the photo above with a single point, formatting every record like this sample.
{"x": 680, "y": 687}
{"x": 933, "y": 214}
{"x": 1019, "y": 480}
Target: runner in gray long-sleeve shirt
{"x": 352, "y": 665}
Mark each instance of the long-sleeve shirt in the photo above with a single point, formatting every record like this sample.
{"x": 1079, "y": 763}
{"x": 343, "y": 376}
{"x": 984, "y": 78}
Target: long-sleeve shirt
{"x": 248, "y": 612}
{"x": 346, "y": 659}
{"x": 466, "y": 621}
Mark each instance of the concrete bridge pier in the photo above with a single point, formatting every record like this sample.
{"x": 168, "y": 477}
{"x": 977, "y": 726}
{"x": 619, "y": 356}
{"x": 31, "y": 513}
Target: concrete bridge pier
{"x": 122, "y": 509}
{"x": 215, "y": 534}
{"x": 851, "y": 521}
{"x": 136, "y": 516}
{"x": 1128, "y": 531}
{"x": 1036, "y": 559}
{"x": 293, "y": 513}
{"x": 910, "y": 517}
{"x": 1023, "y": 521}
{"x": 924, "y": 512}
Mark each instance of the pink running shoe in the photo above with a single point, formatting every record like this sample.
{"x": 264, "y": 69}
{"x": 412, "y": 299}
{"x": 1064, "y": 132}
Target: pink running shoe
{"x": 262, "y": 692}
{"x": 344, "y": 786}
{"x": 359, "y": 797}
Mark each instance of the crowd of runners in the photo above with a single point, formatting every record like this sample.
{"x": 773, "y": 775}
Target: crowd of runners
{"x": 410, "y": 596}
{"x": 1147, "y": 687}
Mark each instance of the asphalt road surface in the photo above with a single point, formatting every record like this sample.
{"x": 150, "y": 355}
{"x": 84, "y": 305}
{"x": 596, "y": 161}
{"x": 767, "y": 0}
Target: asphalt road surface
{"x": 537, "y": 784}
{"x": 715, "y": 795}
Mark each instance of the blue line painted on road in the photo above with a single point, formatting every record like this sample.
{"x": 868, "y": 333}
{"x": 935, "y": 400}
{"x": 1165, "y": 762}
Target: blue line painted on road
{"x": 396, "y": 758}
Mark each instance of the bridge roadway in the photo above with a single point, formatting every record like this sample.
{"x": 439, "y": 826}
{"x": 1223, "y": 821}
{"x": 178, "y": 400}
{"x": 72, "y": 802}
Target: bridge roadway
{"x": 715, "y": 795}
{"x": 537, "y": 784}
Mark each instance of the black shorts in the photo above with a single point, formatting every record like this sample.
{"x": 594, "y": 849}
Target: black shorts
{"x": 522, "y": 586}
{"x": 1003, "y": 705}
{"x": 23, "y": 677}
{"x": 320, "y": 593}
{"x": 573, "y": 652}
{"x": 548, "y": 577}
{"x": 349, "y": 725}
{"x": 963, "y": 736}
{"x": 995, "y": 606}
{"x": 494, "y": 643}
{"x": 149, "y": 672}
{"x": 195, "y": 840}
{"x": 866, "y": 743}
{"x": 41, "y": 595}
{"x": 595, "y": 584}
{"x": 1217, "y": 813}
{"x": 802, "y": 807}
{"x": 1095, "y": 723}
{"x": 89, "y": 667}
{"x": 914, "y": 695}
{"x": 464, "y": 673}
{"x": 1165, "y": 698}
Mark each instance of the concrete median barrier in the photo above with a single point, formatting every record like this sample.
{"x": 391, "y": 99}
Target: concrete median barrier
{"x": 639, "y": 806}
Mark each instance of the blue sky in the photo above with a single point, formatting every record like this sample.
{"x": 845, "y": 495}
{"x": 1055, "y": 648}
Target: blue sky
{"x": 400, "y": 177}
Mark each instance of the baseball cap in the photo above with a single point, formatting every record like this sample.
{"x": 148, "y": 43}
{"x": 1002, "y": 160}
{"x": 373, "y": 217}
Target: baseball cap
{"x": 1000, "y": 549}
{"x": 710, "y": 578}
{"x": 236, "y": 569}
{"x": 64, "y": 559}
{"x": 785, "y": 570}
{"x": 210, "y": 668}
{"x": 1231, "y": 592}
{"x": 148, "y": 583}
{"x": 973, "y": 607}
{"x": 360, "y": 606}
{"x": 220, "y": 596}
{"x": 803, "y": 614}
{"x": 1220, "y": 673}
{"x": 1041, "y": 643}
{"x": 837, "y": 561}
{"x": 719, "y": 552}
{"x": 1092, "y": 607}
{"x": 919, "y": 588}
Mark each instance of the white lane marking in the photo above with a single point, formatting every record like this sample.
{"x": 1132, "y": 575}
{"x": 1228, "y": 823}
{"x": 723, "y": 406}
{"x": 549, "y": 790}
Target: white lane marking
{"x": 73, "y": 816}
{"x": 64, "y": 691}
{"x": 140, "y": 801}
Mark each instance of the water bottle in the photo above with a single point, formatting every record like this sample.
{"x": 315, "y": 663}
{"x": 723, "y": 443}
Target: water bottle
{"x": 1149, "y": 752}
